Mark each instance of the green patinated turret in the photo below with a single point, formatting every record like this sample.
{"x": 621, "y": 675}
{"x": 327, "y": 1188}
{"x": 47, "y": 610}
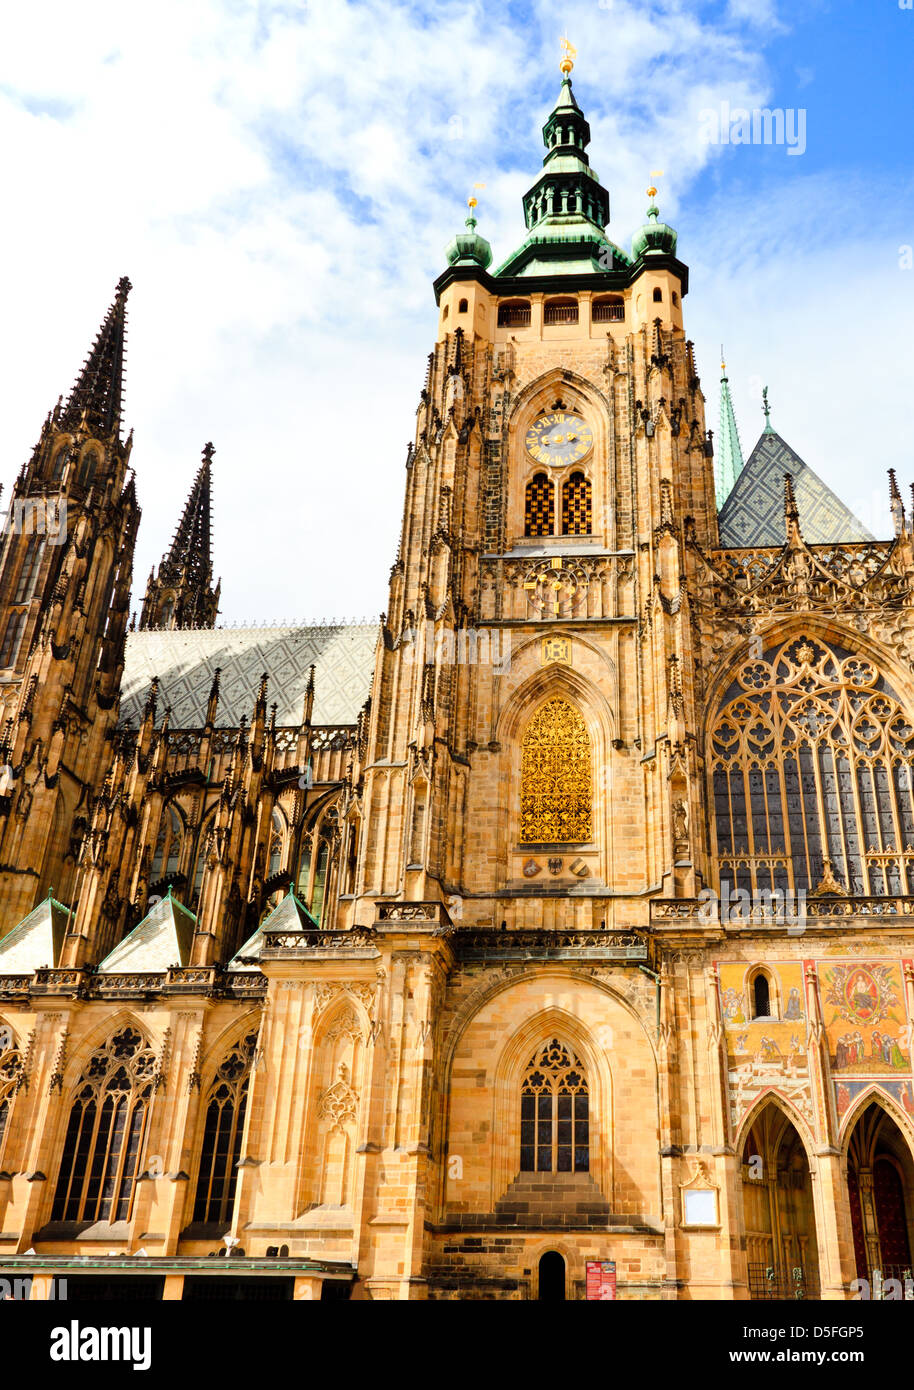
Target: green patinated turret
{"x": 655, "y": 237}
{"x": 567, "y": 208}
{"x": 469, "y": 248}
{"x": 729, "y": 461}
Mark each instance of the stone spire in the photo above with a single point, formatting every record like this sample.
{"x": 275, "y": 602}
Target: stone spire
{"x": 96, "y": 398}
{"x": 182, "y": 594}
{"x": 729, "y": 461}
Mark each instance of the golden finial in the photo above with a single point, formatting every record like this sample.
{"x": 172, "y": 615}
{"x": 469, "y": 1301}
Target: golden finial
{"x": 655, "y": 174}
{"x": 473, "y": 201}
{"x": 569, "y": 54}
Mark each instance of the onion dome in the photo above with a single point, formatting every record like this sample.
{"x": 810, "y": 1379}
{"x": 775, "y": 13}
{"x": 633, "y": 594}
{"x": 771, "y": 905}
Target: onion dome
{"x": 655, "y": 237}
{"x": 468, "y": 248}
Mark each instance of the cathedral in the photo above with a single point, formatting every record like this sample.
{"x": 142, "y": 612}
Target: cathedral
{"x": 552, "y": 938}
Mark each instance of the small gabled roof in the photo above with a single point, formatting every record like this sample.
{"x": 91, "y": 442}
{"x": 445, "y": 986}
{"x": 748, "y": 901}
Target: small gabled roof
{"x": 163, "y": 938}
{"x": 753, "y": 514}
{"x": 290, "y": 915}
{"x": 36, "y": 941}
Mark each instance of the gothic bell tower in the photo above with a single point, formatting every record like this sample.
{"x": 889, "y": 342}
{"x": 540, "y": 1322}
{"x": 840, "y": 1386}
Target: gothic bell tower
{"x": 532, "y": 760}
{"x": 66, "y": 566}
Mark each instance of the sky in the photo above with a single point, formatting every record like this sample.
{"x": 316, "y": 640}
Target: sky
{"x": 279, "y": 180}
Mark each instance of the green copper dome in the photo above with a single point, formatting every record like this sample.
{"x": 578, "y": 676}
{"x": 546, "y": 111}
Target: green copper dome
{"x": 468, "y": 248}
{"x": 654, "y": 236}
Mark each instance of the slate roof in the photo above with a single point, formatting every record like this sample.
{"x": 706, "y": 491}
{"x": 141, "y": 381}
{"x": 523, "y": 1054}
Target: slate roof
{"x": 753, "y": 514}
{"x": 185, "y": 662}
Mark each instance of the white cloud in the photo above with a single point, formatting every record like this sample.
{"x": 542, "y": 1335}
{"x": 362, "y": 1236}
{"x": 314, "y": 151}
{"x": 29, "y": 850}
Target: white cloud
{"x": 279, "y": 182}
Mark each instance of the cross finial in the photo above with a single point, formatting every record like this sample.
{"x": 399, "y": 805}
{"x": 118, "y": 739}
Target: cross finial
{"x": 208, "y": 451}
{"x": 767, "y": 409}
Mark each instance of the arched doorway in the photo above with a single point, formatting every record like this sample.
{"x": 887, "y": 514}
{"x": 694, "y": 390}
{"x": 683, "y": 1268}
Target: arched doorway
{"x": 552, "y": 1277}
{"x": 781, "y": 1248}
{"x": 880, "y": 1182}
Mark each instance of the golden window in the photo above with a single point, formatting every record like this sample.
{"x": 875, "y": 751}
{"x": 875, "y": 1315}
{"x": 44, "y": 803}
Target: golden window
{"x": 811, "y": 759}
{"x": 539, "y": 506}
{"x": 577, "y": 508}
{"x": 556, "y": 781}
{"x": 554, "y": 1115}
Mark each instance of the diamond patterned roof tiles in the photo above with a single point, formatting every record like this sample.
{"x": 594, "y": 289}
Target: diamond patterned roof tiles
{"x": 185, "y": 662}
{"x": 753, "y": 514}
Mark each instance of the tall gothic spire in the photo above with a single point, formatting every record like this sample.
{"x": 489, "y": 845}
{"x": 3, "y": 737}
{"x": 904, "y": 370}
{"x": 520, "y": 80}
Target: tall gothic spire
{"x": 729, "y": 461}
{"x": 98, "y": 391}
{"x": 181, "y": 594}
{"x": 567, "y": 208}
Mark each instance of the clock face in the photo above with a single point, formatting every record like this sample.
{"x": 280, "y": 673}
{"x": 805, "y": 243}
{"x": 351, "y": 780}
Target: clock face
{"x": 559, "y": 438}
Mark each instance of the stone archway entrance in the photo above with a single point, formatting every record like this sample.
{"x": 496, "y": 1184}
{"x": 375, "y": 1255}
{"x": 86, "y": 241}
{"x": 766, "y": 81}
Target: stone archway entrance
{"x": 880, "y": 1182}
{"x": 552, "y": 1277}
{"x": 781, "y": 1247}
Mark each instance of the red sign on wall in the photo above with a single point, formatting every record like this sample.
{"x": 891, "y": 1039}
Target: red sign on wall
{"x": 601, "y": 1280}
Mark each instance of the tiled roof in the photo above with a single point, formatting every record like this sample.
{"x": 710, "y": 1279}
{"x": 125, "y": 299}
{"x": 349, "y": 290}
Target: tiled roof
{"x": 185, "y": 662}
{"x": 753, "y": 514}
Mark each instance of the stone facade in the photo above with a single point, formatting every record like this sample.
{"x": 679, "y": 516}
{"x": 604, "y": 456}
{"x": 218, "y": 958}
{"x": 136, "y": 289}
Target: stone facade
{"x": 332, "y": 1005}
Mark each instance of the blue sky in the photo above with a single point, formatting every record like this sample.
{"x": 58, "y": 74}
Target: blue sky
{"x": 279, "y": 181}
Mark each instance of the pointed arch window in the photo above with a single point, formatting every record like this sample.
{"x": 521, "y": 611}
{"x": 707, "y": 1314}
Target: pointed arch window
{"x": 12, "y": 637}
{"x": 277, "y": 843}
{"x": 313, "y": 871}
{"x": 200, "y": 862}
{"x": 87, "y": 466}
{"x": 539, "y": 506}
{"x": 556, "y": 777}
{"x": 10, "y": 1077}
{"x": 811, "y": 764}
{"x": 28, "y": 573}
{"x": 320, "y": 880}
{"x": 106, "y": 1132}
{"x": 577, "y": 506}
{"x": 226, "y": 1104}
{"x": 555, "y": 1113}
{"x": 169, "y": 843}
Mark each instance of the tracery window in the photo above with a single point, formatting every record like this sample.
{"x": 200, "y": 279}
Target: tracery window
{"x": 277, "y": 843}
{"x": 577, "y": 507}
{"x": 29, "y": 572}
{"x": 812, "y": 760}
{"x": 226, "y": 1104}
{"x": 200, "y": 862}
{"x": 10, "y": 1069}
{"x": 539, "y": 506}
{"x": 12, "y": 637}
{"x": 556, "y": 799}
{"x": 87, "y": 466}
{"x": 106, "y": 1132}
{"x": 554, "y": 1115}
{"x": 169, "y": 843}
{"x": 312, "y": 876}
{"x": 316, "y": 904}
